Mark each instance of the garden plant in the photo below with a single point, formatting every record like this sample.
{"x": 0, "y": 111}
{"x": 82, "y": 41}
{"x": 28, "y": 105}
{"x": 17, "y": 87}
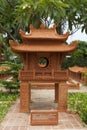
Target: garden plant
{"x": 6, "y": 100}
{"x": 78, "y": 102}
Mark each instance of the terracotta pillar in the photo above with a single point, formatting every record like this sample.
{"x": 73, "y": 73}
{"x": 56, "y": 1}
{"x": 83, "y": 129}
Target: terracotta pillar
{"x": 56, "y": 92}
{"x": 62, "y": 96}
{"x": 25, "y": 95}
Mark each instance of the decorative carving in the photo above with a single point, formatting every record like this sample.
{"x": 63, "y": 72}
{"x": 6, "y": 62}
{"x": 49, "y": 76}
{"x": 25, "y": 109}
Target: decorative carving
{"x": 44, "y": 117}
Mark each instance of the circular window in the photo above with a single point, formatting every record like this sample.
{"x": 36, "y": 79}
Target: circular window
{"x": 43, "y": 62}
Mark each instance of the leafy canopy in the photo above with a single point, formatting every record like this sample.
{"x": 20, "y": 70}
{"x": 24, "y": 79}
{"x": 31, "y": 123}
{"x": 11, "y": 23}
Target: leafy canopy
{"x": 79, "y": 57}
{"x": 38, "y": 11}
{"x": 21, "y": 13}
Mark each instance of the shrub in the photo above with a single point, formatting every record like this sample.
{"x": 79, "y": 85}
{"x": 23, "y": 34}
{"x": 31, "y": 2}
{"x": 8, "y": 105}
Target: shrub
{"x": 14, "y": 68}
{"x": 9, "y": 85}
{"x": 85, "y": 77}
{"x": 78, "y": 102}
{"x": 6, "y": 100}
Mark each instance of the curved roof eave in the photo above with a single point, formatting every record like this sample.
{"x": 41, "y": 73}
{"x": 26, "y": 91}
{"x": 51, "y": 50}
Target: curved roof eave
{"x": 43, "y": 34}
{"x": 37, "y": 48}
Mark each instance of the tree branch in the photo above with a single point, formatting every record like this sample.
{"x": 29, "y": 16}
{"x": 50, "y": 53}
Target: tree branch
{"x": 75, "y": 30}
{"x": 6, "y": 31}
{"x": 9, "y": 3}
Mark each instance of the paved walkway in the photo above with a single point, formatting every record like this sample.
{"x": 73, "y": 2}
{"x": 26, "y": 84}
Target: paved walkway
{"x": 21, "y": 121}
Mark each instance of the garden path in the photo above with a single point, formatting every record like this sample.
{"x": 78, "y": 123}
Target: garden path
{"x": 15, "y": 120}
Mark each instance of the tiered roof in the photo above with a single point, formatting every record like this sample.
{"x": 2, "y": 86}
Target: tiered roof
{"x": 77, "y": 69}
{"x": 43, "y": 40}
{"x": 43, "y": 33}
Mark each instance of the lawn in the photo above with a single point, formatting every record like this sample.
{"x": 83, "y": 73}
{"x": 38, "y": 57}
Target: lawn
{"x": 78, "y": 102}
{"x": 6, "y": 100}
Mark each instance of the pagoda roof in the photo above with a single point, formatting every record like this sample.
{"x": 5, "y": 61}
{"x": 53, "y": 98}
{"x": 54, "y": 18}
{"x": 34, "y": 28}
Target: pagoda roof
{"x": 77, "y": 69}
{"x": 16, "y": 47}
{"x": 43, "y": 40}
{"x": 43, "y": 33}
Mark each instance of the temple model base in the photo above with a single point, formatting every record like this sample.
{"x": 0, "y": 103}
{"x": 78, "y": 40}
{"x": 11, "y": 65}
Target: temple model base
{"x": 60, "y": 96}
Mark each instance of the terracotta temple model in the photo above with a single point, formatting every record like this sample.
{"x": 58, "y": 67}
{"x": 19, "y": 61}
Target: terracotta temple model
{"x": 42, "y": 53}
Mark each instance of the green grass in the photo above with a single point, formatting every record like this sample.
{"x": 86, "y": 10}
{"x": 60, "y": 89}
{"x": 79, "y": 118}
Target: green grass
{"x": 78, "y": 102}
{"x": 6, "y": 100}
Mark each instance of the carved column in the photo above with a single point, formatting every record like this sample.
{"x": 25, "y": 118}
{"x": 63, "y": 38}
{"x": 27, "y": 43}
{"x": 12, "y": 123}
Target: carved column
{"x": 62, "y": 96}
{"x": 25, "y": 97}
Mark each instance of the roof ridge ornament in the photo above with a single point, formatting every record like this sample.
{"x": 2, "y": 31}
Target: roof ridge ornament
{"x": 21, "y": 32}
{"x": 42, "y": 26}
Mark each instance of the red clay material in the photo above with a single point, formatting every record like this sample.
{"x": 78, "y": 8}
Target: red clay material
{"x": 44, "y": 117}
{"x": 42, "y": 53}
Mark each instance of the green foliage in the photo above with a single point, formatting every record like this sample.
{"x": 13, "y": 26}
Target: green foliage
{"x": 79, "y": 57}
{"x": 13, "y": 71}
{"x": 42, "y": 60}
{"x": 14, "y": 68}
{"x": 6, "y": 51}
{"x": 21, "y": 13}
{"x": 7, "y": 18}
{"x": 4, "y": 107}
{"x": 6, "y": 99}
{"x": 72, "y": 11}
{"x": 78, "y": 102}
{"x": 36, "y": 11}
{"x": 5, "y": 96}
{"x": 10, "y": 85}
{"x": 77, "y": 14}
{"x": 84, "y": 75}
